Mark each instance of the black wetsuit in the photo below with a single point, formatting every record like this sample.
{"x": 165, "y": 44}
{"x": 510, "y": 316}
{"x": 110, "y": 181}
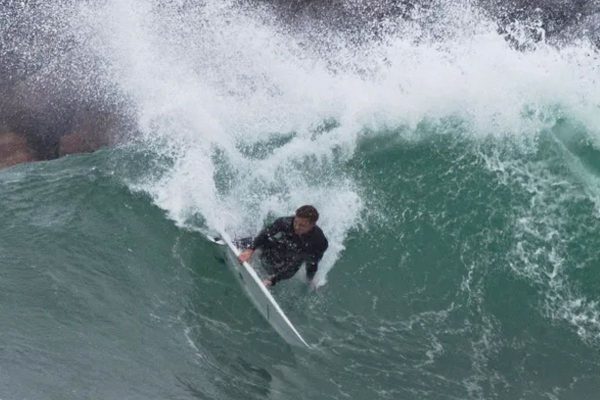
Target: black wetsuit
{"x": 284, "y": 251}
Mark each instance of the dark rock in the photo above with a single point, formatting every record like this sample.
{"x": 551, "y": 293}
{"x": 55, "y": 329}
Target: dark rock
{"x": 14, "y": 149}
{"x": 90, "y": 132}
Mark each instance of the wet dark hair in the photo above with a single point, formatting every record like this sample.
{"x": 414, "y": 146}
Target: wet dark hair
{"x": 308, "y": 212}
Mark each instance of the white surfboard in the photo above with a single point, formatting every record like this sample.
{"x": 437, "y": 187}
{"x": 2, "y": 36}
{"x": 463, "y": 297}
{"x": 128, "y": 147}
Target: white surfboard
{"x": 261, "y": 297}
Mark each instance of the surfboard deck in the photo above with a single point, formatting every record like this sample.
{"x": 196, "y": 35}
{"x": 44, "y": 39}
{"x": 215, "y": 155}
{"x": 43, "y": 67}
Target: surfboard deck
{"x": 260, "y": 296}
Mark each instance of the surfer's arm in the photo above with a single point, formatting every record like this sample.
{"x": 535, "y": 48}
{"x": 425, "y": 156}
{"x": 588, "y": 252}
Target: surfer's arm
{"x": 262, "y": 239}
{"x": 263, "y": 236}
{"x": 311, "y": 270}
{"x": 312, "y": 263}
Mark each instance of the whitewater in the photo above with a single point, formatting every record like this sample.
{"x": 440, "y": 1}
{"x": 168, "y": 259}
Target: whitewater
{"x": 457, "y": 175}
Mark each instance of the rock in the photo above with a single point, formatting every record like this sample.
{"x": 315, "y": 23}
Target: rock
{"x": 91, "y": 131}
{"x": 14, "y": 149}
{"x": 39, "y": 132}
{"x": 84, "y": 141}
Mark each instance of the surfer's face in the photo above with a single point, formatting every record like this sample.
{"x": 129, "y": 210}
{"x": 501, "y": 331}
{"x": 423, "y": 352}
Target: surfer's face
{"x": 302, "y": 225}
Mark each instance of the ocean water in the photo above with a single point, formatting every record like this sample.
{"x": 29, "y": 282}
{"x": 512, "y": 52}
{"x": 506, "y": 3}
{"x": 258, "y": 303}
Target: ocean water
{"x": 458, "y": 179}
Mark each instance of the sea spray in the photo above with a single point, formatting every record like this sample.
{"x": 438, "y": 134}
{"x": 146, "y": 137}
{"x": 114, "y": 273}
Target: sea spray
{"x": 257, "y": 120}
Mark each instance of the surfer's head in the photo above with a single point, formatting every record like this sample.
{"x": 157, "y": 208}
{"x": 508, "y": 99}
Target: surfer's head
{"x": 305, "y": 219}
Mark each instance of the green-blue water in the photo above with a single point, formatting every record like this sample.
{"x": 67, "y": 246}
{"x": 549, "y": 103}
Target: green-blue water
{"x": 465, "y": 281}
{"x": 456, "y": 171}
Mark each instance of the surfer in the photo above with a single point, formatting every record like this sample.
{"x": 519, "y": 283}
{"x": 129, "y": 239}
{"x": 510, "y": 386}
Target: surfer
{"x": 287, "y": 243}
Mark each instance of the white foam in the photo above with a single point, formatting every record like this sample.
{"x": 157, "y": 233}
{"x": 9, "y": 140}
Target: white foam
{"x": 207, "y": 81}
{"x": 543, "y": 232}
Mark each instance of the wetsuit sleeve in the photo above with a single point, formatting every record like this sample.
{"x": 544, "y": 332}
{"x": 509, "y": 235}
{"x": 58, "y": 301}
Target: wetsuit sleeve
{"x": 311, "y": 269}
{"x": 263, "y": 237}
{"x": 312, "y": 264}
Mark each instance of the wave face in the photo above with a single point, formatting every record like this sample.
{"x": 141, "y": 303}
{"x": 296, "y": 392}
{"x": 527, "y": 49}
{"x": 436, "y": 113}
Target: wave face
{"x": 455, "y": 166}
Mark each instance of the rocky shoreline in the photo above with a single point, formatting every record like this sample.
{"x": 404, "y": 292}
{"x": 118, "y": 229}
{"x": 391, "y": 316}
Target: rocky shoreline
{"x": 14, "y": 149}
{"x": 86, "y": 133}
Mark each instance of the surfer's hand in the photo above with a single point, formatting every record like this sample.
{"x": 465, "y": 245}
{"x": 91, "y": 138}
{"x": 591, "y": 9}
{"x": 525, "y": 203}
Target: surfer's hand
{"x": 246, "y": 255}
{"x": 267, "y": 282}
